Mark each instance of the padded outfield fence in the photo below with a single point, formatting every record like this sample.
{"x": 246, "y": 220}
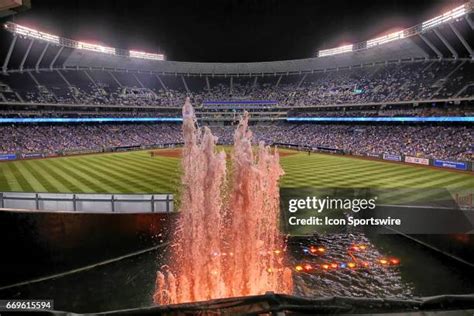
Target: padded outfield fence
{"x": 88, "y": 203}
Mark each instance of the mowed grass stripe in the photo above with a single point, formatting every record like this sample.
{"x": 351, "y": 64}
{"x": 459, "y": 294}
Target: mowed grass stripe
{"x": 148, "y": 181}
{"x": 113, "y": 178}
{"x": 367, "y": 175}
{"x": 154, "y": 166}
{"x": 333, "y": 169}
{"x": 93, "y": 179}
{"x": 56, "y": 185}
{"x": 352, "y": 163}
{"x": 32, "y": 180}
{"x": 335, "y": 164}
{"x": 402, "y": 174}
{"x": 134, "y": 176}
{"x": 42, "y": 178}
{"x": 406, "y": 172}
{"x": 170, "y": 164}
{"x": 4, "y": 179}
{"x": 430, "y": 174}
{"x": 364, "y": 177}
{"x": 162, "y": 180}
{"x": 12, "y": 181}
{"x": 82, "y": 184}
{"x": 24, "y": 184}
{"x": 69, "y": 182}
{"x": 91, "y": 173}
{"x": 138, "y": 179}
{"x": 408, "y": 178}
{"x": 432, "y": 182}
{"x": 159, "y": 170}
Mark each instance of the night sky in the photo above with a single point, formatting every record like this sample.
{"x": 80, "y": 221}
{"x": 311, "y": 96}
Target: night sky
{"x": 228, "y": 30}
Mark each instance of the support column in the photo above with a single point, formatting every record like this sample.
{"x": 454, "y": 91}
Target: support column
{"x": 446, "y": 43}
{"x": 161, "y": 82}
{"x": 26, "y": 54}
{"x": 90, "y": 78}
{"x": 469, "y": 21}
{"x": 278, "y": 81}
{"x": 9, "y": 54}
{"x": 55, "y": 58}
{"x": 115, "y": 78}
{"x": 427, "y": 41}
{"x": 68, "y": 84}
{"x": 34, "y": 78}
{"x": 301, "y": 81}
{"x": 208, "y": 85}
{"x": 185, "y": 84}
{"x": 461, "y": 39}
{"x": 41, "y": 57}
{"x": 138, "y": 80}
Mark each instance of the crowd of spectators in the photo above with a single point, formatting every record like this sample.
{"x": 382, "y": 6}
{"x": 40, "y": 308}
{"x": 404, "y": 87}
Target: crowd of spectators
{"x": 370, "y": 84}
{"x": 73, "y": 137}
{"x": 429, "y": 141}
{"x": 138, "y": 94}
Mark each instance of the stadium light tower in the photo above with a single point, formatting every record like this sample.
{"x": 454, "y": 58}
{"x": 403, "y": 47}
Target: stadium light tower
{"x": 335, "y": 51}
{"x": 431, "y": 24}
{"x": 50, "y": 39}
{"x": 385, "y": 39}
{"x": 445, "y": 17}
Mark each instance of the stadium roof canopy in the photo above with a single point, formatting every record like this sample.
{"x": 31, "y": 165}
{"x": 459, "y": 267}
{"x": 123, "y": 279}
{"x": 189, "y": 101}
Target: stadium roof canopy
{"x": 448, "y": 36}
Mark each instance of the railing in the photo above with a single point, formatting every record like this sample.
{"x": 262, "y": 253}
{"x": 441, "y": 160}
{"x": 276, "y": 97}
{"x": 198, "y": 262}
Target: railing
{"x": 88, "y": 202}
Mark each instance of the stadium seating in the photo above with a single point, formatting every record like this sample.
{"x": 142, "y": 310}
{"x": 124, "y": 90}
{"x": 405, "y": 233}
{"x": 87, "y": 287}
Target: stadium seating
{"x": 409, "y": 81}
{"x": 375, "y": 89}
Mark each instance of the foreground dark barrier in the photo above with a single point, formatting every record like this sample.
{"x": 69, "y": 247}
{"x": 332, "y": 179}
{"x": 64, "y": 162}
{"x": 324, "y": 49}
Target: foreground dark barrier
{"x": 279, "y": 304}
{"x": 39, "y": 243}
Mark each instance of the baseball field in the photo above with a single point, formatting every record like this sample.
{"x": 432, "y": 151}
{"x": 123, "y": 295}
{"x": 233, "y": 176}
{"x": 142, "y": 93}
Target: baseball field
{"x": 139, "y": 172}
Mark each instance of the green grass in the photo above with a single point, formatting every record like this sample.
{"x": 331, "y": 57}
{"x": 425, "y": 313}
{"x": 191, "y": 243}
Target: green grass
{"x": 137, "y": 172}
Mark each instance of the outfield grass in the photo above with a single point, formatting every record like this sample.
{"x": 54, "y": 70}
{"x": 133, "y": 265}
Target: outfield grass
{"x": 137, "y": 172}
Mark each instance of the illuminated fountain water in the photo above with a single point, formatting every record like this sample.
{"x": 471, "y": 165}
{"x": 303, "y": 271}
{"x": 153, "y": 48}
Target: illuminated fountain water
{"x": 228, "y": 242}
